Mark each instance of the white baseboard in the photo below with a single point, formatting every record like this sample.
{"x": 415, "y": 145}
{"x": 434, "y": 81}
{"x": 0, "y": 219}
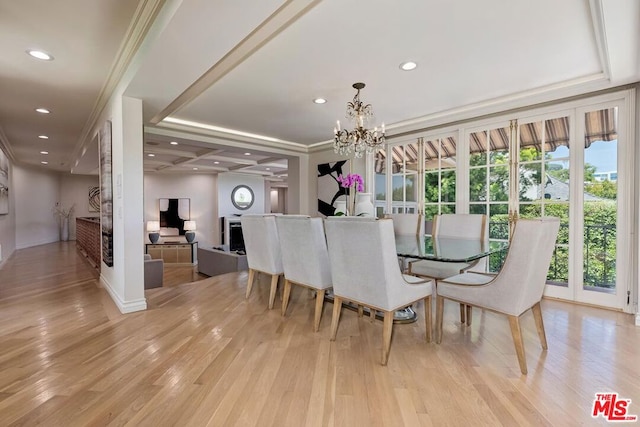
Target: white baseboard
{"x": 124, "y": 306}
{"x": 638, "y": 319}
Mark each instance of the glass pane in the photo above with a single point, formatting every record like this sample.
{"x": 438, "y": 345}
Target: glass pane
{"x": 556, "y": 185}
{"x": 478, "y": 184}
{"x": 478, "y": 148}
{"x": 380, "y": 161}
{"x": 398, "y": 188}
{"x": 431, "y": 186}
{"x": 559, "y": 269}
{"x": 448, "y": 186}
{"x": 499, "y": 183}
{"x": 530, "y": 210}
{"x": 478, "y": 209}
{"x": 499, "y": 146}
{"x": 448, "y": 209}
{"x": 600, "y": 255}
{"x": 410, "y": 188}
{"x": 381, "y": 187}
{"x": 430, "y": 211}
{"x": 499, "y": 221}
{"x": 600, "y": 199}
{"x": 530, "y": 181}
{"x": 411, "y": 157}
{"x": 530, "y": 141}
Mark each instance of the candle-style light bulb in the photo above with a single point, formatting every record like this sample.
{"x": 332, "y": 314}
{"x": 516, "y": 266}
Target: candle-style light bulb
{"x": 383, "y": 128}
{"x": 338, "y": 123}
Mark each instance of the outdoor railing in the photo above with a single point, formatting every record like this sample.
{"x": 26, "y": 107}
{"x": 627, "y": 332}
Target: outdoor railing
{"x": 599, "y": 254}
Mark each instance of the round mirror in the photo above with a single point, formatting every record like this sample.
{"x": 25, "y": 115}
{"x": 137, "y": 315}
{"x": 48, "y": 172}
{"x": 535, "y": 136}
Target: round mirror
{"x": 242, "y": 197}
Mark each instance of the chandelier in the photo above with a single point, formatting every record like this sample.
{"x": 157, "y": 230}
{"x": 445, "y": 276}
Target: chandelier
{"x": 359, "y": 139}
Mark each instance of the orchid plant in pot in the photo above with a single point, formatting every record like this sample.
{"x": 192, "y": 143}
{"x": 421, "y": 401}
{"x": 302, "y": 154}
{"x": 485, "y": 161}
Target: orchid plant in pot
{"x": 349, "y": 181}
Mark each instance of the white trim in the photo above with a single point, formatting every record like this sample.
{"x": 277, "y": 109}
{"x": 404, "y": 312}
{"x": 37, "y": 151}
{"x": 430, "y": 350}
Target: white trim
{"x": 599, "y": 30}
{"x": 208, "y": 135}
{"x": 124, "y": 306}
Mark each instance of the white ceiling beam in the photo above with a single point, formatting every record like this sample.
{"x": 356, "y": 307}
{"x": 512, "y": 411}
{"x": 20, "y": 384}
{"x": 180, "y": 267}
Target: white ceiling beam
{"x": 287, "y": 14}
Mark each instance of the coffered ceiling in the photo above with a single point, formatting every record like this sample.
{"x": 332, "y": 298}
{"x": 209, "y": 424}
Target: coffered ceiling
{"x": 255, "y": 67}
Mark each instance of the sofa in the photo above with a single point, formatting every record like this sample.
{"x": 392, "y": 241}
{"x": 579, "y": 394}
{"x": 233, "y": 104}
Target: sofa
{"x": 153, "y": 272}
{"x": 213, "y": 262}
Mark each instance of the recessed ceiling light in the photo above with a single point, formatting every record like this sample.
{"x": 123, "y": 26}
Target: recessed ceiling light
{"x": 43, "y": 137}
{"x": 216, "y": 163}
{"x": 268, "y": 169}
{"x": 247, "y": 154}
{"x": 408, "y": 66}
{"x": 319, "y": 101}
{"x": 40, "y": 55}
{"x": 151, "y": 155}
{"x": 173, "y": 143}
{"x": 45, "y": 163}
{"x": 44, "y": 152}
{"x": 195, "y": 169}
{"x": 43, "y": 110}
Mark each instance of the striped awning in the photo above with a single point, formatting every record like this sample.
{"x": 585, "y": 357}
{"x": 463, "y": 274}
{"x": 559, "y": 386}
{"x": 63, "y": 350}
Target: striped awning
{"x": 599, "y": 125}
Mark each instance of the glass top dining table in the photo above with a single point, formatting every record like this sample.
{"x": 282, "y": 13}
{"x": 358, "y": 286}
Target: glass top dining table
{"x": 446, "y": 249}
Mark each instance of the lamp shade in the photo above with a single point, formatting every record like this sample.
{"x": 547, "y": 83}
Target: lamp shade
{"x": 189, "y": 225}
{"x": 153, "y": 225}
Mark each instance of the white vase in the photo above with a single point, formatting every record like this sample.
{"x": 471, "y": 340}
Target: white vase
{"x": 364, "y": 206}
{"x": 64, "y": 229}
{"x": 341, "y": 207}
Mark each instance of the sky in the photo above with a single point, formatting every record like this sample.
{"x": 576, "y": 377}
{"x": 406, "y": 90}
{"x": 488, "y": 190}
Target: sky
{"x": 603, "y": 155}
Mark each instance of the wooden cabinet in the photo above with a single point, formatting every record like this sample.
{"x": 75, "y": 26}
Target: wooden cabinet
{"x": 173, "y": 253}
{"x": 88, "y": 239}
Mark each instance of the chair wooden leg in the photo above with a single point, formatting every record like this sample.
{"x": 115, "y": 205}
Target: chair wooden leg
{"x": 468, "y": 308}
{"x": 372, "y": 314}
{"x": 274, "y": 288}
{"x": 285, "y": 297}
{"x": 337, "y": 308}
{"x": 514, "y": 322}
{"x": 360, "y": 310}
{"x": 439, "y": 315}
{"x": 462, "y": 315}
{"x": 252, "y": 274}
{"x": 318, "y": 313}
{"x": 427, "y": 317}
{"x": 387, "y": 328}
{"x": 537, "y": 315}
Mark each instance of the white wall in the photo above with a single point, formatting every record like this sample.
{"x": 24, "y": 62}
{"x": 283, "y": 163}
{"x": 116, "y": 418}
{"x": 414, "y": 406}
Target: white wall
{"x": 36, "y": 193}
{"x": 228, "y": 181}
{"x": 74, "y": 191}
{"x": 8, "y": 222}
{"x": 199, "y": 188}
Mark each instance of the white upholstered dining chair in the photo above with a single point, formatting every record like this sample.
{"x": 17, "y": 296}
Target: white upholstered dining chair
{"x": 518, "y": 286}
{"x": 465, "y": 226}
{"x": 262, "y": 246}
{"x": 406, "y": 225}
{"x": 304, "y": 258}
{"x": 365, "y": 271}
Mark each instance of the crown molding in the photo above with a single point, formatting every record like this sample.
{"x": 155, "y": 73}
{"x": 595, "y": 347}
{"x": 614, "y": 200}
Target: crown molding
{"x": 138, "y": 27}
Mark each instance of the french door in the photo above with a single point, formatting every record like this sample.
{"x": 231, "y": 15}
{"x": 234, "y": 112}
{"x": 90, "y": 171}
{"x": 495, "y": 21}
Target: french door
{"x": 574, "y": 161}
{"x": 568, "y": 165}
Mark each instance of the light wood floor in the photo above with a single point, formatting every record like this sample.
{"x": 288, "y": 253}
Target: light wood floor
{"x": 203, "y": 355}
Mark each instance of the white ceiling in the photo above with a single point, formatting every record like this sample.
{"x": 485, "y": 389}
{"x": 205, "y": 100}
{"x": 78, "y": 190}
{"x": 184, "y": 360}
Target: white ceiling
{"x": 256, "y": 67}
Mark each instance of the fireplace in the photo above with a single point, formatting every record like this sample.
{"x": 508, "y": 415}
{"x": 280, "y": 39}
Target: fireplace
{"x": 232, "y": 233}
{"x": 236, "y": 241}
